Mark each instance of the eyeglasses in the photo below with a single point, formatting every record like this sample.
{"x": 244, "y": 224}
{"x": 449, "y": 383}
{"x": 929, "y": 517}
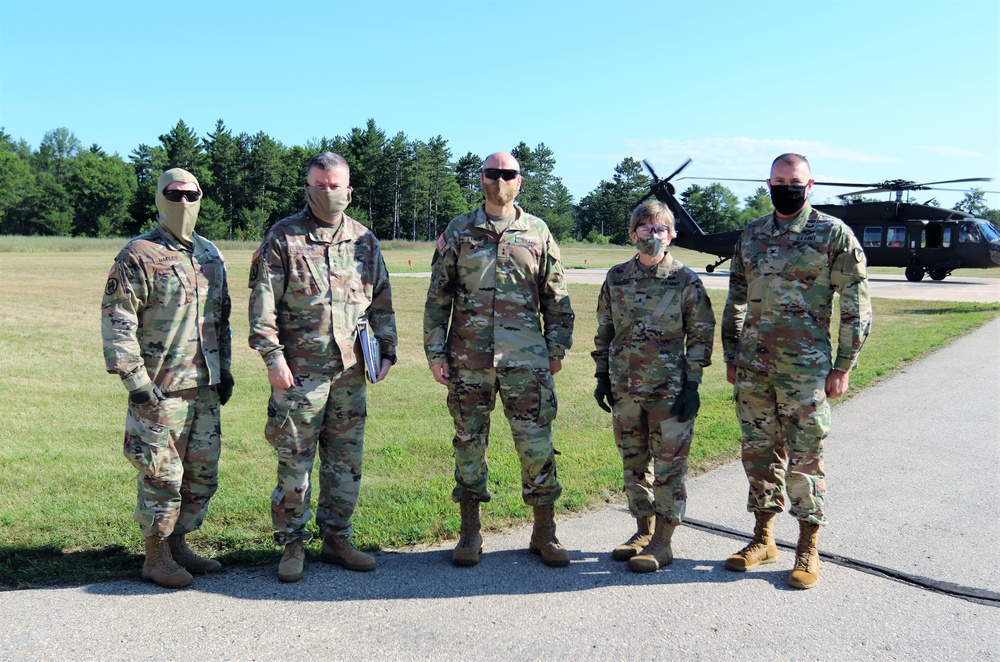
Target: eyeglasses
{"x": 647, "y": 230}
{"x": 176, "y": 195}
{"x": 497, "y": 173}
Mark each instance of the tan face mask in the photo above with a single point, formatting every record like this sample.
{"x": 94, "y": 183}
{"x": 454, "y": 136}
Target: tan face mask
{"x": 178, "y": 218}
{"x": 328, "y": 205}
{"x": 499, "y": 193}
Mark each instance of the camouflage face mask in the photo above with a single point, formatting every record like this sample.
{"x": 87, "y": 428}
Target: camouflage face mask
{"x": 652, "y": 246}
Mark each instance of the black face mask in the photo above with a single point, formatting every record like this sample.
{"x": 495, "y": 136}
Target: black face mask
{"x": 788, "y": 199}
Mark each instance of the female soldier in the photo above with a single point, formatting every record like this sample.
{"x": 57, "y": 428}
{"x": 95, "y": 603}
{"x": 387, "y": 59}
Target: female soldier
{"x": 655, "y": 329}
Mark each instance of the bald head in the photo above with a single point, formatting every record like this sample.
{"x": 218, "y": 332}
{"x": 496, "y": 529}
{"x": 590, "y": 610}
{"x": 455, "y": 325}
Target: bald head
{"x": 501, "y": 160}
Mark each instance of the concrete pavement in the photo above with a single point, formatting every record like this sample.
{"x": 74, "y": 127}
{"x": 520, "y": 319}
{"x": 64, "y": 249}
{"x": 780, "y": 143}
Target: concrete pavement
{"x": 913, "y": 467}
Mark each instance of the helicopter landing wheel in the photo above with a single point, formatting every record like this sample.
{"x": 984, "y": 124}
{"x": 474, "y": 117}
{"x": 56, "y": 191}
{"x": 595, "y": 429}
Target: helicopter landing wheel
{"x": 937, "y": 274}
{"x": 710, "y": 268}
{"x": 914, "y": 273}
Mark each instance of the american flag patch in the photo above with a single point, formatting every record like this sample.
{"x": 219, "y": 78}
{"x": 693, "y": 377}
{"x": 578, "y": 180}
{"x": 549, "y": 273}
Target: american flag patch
{"x": 440, "y": 243}
{"x": 114, "y": 270}
{"x": 256, "y": 254}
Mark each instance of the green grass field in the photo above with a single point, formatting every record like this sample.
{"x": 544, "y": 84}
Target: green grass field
{"x": 67, "y": 493}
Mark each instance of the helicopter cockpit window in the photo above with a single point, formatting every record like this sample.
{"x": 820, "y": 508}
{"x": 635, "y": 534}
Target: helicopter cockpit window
{"x": 970, "y": 234}
{"x": 873, "y": 237}
{"x": 989, "y": 231}
{"x": 895, "y": 237}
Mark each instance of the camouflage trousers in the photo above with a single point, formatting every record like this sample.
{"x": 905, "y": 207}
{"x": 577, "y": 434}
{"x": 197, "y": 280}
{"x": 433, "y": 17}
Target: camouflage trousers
{"x": 175, "y": 446}
{"x": 785, "y": 419}
{"x": 529, "y": 402}
{"x": 654, "y": 447}
{"x": 324, "y": 411}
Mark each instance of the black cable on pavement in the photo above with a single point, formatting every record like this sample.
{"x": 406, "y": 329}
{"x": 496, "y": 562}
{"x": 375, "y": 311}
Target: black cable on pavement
{"x": 977, "y": 595}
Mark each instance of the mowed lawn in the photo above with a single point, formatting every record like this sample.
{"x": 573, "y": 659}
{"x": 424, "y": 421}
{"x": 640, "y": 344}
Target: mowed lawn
{"x": 67, "y": 493}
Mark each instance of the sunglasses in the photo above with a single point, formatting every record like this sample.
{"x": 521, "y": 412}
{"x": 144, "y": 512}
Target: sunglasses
{"x": 174, "y": 195}
{"x": 497, "y": 173}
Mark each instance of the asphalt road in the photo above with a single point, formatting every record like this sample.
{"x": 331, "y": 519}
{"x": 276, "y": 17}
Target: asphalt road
{"x": 911, "y": 568}
{"x": 889, "y": 286}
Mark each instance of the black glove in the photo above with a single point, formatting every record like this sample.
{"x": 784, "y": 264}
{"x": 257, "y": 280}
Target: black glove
{"x": 147, "y": 394}
{"x": 225, "y": 387}
{"x": 688, "y": 403}
{"x": 603, "y": 391}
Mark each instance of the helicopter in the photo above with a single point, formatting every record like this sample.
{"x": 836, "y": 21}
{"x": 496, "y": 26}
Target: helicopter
{"x": 923, "y": 239}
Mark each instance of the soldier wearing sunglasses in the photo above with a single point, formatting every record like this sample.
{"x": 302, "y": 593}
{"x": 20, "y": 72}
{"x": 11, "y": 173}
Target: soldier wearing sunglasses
{"x": 165, "y": 323}
{"x": 498, "y": 320}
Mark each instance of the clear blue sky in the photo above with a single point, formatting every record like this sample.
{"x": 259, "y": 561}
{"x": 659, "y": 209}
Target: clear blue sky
{"x": 873, "y": 90}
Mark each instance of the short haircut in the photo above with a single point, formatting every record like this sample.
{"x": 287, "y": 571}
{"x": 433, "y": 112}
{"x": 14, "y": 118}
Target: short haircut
{"x": 328, "y": 161}
{"x": 653, "y": 211}
{"x": 792, "y": 160}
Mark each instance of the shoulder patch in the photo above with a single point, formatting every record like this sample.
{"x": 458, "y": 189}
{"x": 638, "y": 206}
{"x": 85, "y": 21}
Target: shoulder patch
{"x": 255, "y": 265}
{"x": 111, "y": 286}
{"x": 441, "y": 242}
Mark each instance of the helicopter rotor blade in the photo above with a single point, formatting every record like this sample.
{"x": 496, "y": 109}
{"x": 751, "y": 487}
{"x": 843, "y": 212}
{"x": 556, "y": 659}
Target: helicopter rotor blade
{"x": 727, "y": 179}
{"x": 956, "y": 190}
{"x": 675, "y": 172}
{"x": 651, "y": 171}
{"x": 871, "y": 190}
{"x": 957, "y": 181}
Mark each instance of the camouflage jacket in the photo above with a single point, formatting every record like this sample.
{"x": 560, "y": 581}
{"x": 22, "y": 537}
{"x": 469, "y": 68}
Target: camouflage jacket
{"x": 781, "y": 286}
{"x": 655, "y": 328}
{"x": 165, "y": 314}
{"x": 310, "y": 285}
{"x": 504, "y": 294}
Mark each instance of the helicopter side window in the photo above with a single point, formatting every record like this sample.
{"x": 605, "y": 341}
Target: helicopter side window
{"x": 873, "y": 237}
{"x": 946, "y": 237}
{"x": 895, "y": 237}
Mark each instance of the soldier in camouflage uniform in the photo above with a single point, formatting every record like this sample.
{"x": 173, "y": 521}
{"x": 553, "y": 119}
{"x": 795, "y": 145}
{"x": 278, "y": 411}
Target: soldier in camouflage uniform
{"x": 655, "y": 330}
{"x": 497, "y": 278}
{"x": 776, "y": 338}
{"x": 316, "y": 275}
{"x": 165, "y": 323}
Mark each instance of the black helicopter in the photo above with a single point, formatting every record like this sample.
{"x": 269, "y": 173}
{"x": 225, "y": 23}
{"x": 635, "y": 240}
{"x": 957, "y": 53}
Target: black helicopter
{"x": 920, "y": 238}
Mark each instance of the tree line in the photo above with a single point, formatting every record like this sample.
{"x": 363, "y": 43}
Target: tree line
{"x": 404, "y": 188}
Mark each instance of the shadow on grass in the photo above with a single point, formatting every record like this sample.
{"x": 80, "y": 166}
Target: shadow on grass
{"x": 964, "y": 309}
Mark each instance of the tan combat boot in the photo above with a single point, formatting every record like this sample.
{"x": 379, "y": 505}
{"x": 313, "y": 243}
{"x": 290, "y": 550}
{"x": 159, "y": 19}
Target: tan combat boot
{"x": 293, "y": 562}
{"x": 186, "y": 557}
{"x": 543, "y": 538}
{"x": 638, "y": 541}
{"x": 657, "y": 553}
{"x": 761, "y": 548}
{"x": 160, "y": 568}
{"x": 806, "y": 571}
{"x": 339, "y": 550}
{"x": 470, "y": 542}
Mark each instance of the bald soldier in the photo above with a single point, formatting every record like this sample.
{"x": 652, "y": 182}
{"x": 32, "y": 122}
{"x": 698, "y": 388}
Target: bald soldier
{"x": 779, "y": 356}
{"x": 498, "y": 320}
{"x": 165, "y": 323}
